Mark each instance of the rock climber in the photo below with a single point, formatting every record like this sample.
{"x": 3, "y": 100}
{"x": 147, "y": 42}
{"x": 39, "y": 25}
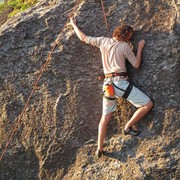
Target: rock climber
{"x": 114, "y": 52}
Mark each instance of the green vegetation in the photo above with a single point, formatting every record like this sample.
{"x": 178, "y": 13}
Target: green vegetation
{"x": 16, "y": 6}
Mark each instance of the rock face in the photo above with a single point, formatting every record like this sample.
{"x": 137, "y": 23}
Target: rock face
{"x": 56, "y": 137}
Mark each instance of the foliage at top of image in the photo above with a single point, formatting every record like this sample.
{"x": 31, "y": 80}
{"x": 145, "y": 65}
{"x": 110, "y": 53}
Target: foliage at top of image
{"x": 16, "y": 6}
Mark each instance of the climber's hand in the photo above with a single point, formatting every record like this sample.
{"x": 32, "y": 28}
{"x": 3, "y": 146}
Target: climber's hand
{"x": 141, "y": 43}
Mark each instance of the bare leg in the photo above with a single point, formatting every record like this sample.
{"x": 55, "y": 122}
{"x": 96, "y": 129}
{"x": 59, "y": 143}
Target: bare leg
{"x": 140, "y": 113}
{"x": 102, "y": 129}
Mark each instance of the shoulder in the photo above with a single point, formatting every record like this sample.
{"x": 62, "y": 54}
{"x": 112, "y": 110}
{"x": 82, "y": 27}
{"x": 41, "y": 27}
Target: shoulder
{"x": 95, "y": 40}
{"x": 127, "y": 46}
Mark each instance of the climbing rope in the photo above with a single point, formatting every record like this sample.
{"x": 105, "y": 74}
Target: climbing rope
{"x": 105, "y": 19}
{"x": 48, "y": 59}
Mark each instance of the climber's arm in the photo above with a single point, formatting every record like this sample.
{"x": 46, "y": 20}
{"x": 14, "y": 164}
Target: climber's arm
{"x": 139, "y": 53}
{"x": 78, "y": 32}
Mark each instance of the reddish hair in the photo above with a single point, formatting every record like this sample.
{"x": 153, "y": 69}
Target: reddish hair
{"x": 122, "y": 33}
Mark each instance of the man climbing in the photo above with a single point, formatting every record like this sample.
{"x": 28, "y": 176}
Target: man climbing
{"x": 114, "y": 52}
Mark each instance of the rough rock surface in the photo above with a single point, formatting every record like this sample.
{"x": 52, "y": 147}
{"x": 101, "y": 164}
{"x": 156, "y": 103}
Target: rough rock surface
{"x": 4, "y": 16}
{"x": 56, "y": 137}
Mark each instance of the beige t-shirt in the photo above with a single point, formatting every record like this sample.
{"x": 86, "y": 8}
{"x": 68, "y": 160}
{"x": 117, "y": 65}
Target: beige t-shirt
{"x": 113, "y": 52}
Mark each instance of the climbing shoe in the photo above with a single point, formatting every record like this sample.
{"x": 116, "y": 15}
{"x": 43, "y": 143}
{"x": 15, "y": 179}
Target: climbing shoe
{"x": 132, "y": 132}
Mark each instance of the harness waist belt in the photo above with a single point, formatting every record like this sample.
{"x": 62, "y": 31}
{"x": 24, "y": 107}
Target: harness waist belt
{"x": 115, "y": 74}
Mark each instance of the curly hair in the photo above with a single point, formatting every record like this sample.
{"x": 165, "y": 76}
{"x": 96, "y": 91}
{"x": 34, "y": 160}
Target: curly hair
{"x": 122, "y": 33}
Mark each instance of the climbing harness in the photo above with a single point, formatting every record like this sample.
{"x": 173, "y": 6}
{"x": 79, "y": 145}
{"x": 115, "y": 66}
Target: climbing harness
{"x": 109, "y": 92}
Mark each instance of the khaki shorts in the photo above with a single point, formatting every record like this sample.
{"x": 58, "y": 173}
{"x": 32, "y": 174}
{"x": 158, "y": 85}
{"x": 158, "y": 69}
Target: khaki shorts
{"x": 136, "y": 97}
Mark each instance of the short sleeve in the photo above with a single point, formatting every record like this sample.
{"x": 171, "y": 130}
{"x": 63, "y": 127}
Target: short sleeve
{"x": 129, "y": 54}
{"x": 95, "y": 41}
